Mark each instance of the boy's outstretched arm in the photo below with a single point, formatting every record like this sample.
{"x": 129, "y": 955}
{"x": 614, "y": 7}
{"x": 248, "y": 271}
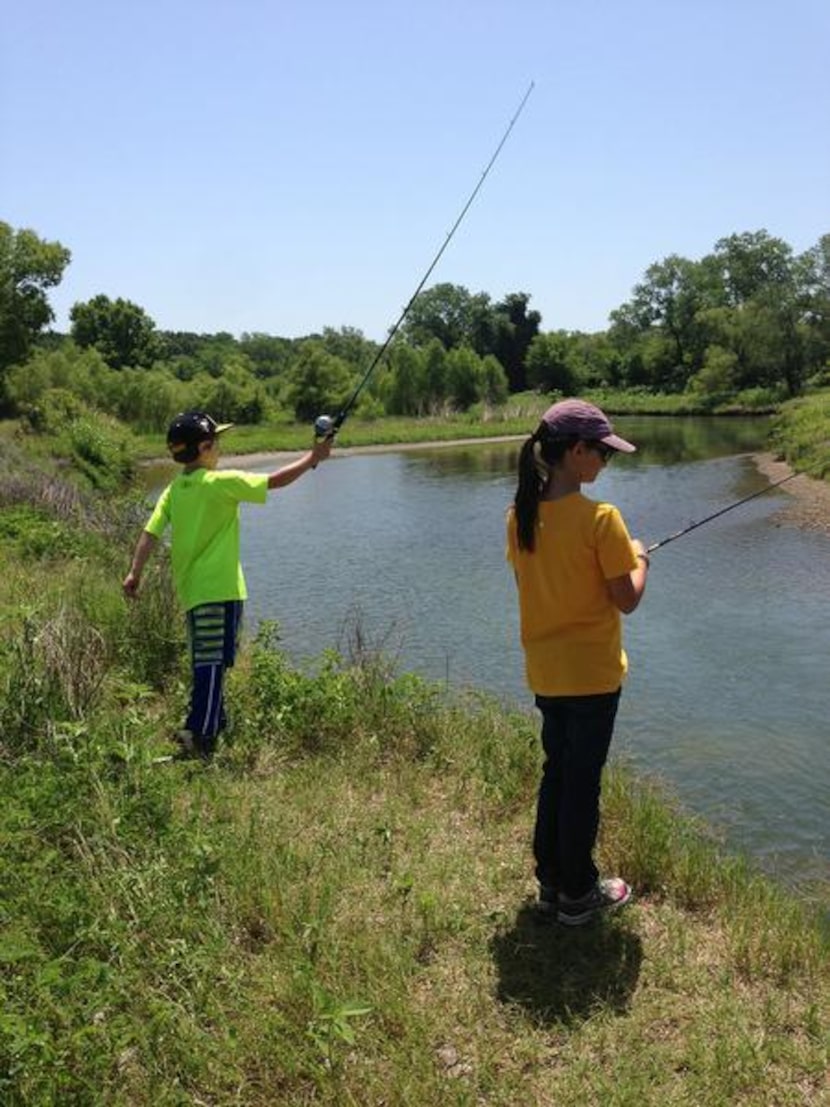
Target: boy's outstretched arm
{"x": 143, "y": 548}
{"x": 289, "y": 473}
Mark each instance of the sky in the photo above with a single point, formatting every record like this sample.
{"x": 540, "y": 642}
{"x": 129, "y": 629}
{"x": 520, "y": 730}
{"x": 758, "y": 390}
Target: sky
{"x": 281, "y": 166}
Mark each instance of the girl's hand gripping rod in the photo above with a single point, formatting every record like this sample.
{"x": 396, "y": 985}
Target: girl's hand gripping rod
{"x": 327, "y": 426}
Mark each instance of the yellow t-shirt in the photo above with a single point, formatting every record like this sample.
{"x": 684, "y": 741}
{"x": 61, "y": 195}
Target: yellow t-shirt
{"x": 202, "y": 508}
{"x": 570, "y": 628}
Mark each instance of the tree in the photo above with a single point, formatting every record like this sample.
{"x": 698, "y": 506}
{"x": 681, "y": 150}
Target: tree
{"x": 751, "y": 263}
{"x": 669, "y": 299}
{"x": 451, "y": 314}
{"x": 406, "y": 393}
{"x": 68, "y": 368}
{"x": 516, "y": 329}
{"x": 28, "y": 267}
{"x": 466, "y": 377}
{"x": 350, "y": 345}
{"x": 494, "y": 380}
{"x": 813, "y": 277}
{"x": 549, "y": 364}
{"x": 121, "y": 331}
{"x": 319, "y": 382}
{"x": 435, "y": 376}
{"x": 270, "y": 356}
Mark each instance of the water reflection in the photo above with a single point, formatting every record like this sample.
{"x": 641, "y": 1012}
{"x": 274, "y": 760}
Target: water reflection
{"x": 660, "y": 441}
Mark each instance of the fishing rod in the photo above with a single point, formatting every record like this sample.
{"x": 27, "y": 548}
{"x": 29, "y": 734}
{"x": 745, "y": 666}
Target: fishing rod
{"x": 326, "y": 426}
{"x": 730, "y": 507}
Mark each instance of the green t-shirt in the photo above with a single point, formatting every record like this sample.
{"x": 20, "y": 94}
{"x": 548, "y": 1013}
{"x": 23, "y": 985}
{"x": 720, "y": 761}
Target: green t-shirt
{"x": 202, "y": 509}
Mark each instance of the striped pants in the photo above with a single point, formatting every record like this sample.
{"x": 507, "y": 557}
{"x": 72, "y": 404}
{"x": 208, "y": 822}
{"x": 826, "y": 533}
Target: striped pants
{"x": 213, "y": 635}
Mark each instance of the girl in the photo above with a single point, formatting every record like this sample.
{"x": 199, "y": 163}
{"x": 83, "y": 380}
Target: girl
{"x": 576, "y": 569}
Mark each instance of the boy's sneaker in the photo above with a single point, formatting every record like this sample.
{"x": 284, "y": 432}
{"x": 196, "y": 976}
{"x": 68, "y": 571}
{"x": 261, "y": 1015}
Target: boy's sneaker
{"x": 184, "y": 740}
{"x": 605, "y": 895}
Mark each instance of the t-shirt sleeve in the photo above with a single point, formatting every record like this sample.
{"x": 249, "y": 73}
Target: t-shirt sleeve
{"x": 244, "y": 487}
{"x": 614, "y": 548}
{"x": 160, "y": 517}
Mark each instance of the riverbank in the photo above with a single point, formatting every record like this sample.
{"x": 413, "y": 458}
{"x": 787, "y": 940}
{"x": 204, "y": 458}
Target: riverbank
{"x": 339, "y": 910}
{"x": 279, "y": 457}
{"x": 808, "y": 504}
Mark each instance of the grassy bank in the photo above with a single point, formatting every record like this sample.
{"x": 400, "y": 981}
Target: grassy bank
{"x": 516, "y": 417}
{"x": 801, "y": 432}
{"x": 339, "y": 909}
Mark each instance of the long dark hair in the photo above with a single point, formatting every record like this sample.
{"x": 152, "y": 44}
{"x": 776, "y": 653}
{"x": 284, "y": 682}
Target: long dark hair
{"x": 533, "y": 479}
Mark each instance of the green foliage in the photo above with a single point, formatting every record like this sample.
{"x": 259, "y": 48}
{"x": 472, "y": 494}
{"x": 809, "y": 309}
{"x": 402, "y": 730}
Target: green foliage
{"x": 802, "y": 432}
{"x": 100, "y": 448}
{"x": 516, "y": 329}
{"x": 748, "y": 315}
{"x": 319, "y": 382}
{"x": 84, "y": 373}
{"x": 31, "y": 533}
{"x": 550, "y": 364}
{"x": 304, "y": 712}
{"x": 465, "y": 378}
{"x": 405, "y": 389}
{"x": 121, "y": 331}
{"x": 453, "y": 316}
{"x": 28, "y": 267}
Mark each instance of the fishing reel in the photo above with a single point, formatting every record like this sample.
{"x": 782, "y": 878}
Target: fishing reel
{"x": 324, "y": 427}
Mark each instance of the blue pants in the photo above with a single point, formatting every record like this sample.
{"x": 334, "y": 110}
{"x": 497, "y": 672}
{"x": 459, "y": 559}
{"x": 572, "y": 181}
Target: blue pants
{"x": 213, "y": 634}
{"x": 576, "y": 734}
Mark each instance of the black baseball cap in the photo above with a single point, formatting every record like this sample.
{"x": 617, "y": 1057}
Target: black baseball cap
{"x": 188, "y": 429}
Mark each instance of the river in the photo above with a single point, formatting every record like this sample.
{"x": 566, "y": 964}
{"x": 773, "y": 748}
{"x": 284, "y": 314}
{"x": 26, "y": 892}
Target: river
{"x": 727, "y": 697}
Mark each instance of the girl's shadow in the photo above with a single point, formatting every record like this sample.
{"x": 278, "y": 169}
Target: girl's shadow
{"x": 561, "y": 974}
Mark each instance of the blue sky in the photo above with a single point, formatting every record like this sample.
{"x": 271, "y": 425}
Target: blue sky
{"x": 285, "y": 166}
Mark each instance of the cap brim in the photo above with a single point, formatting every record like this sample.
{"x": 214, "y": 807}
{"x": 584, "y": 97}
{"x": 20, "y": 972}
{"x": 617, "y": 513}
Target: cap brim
{"x": 220, "y": 427}
{"x": 618, "y": 443}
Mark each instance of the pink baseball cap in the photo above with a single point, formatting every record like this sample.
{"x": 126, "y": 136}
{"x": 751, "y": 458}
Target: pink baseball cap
{"x": 579, "y": 419}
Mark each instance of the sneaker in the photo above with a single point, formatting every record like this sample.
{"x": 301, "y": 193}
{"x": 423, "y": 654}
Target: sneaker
{"x": 605, "y": 895}
{"x": 548, "y": 902}
{"x": 184, "y": 739}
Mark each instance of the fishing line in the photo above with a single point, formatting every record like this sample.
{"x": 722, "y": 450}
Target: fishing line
{"x": 730, "y": 507}
{"x": 324, "y": 425}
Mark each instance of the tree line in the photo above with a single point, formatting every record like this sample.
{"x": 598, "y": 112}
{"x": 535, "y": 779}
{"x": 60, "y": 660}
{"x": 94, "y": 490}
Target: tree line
{"x": 752, "y": 318}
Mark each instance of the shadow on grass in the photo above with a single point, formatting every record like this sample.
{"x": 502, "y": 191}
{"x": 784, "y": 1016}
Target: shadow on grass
{"x": 559, "y": 974}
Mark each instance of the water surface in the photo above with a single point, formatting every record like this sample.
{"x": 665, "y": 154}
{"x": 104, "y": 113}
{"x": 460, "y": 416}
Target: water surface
{"x": 727, "y": 694}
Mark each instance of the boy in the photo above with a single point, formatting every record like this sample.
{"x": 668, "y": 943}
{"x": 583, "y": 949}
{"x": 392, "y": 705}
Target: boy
{"x": 201, "y": 506}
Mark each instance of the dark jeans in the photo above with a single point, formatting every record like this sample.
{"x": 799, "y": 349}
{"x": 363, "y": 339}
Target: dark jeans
{"x": 213, "y": 632}
{"x": 576, "y": 734}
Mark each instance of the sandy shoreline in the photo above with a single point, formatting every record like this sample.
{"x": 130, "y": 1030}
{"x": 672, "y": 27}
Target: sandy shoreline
{"x": 279, "y": 457}
{"x": 808, "y": 502}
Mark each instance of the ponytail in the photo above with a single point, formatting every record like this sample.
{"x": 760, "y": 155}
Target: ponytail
{"x": 526, "y": 500}
{"x": 536, "y": 458}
